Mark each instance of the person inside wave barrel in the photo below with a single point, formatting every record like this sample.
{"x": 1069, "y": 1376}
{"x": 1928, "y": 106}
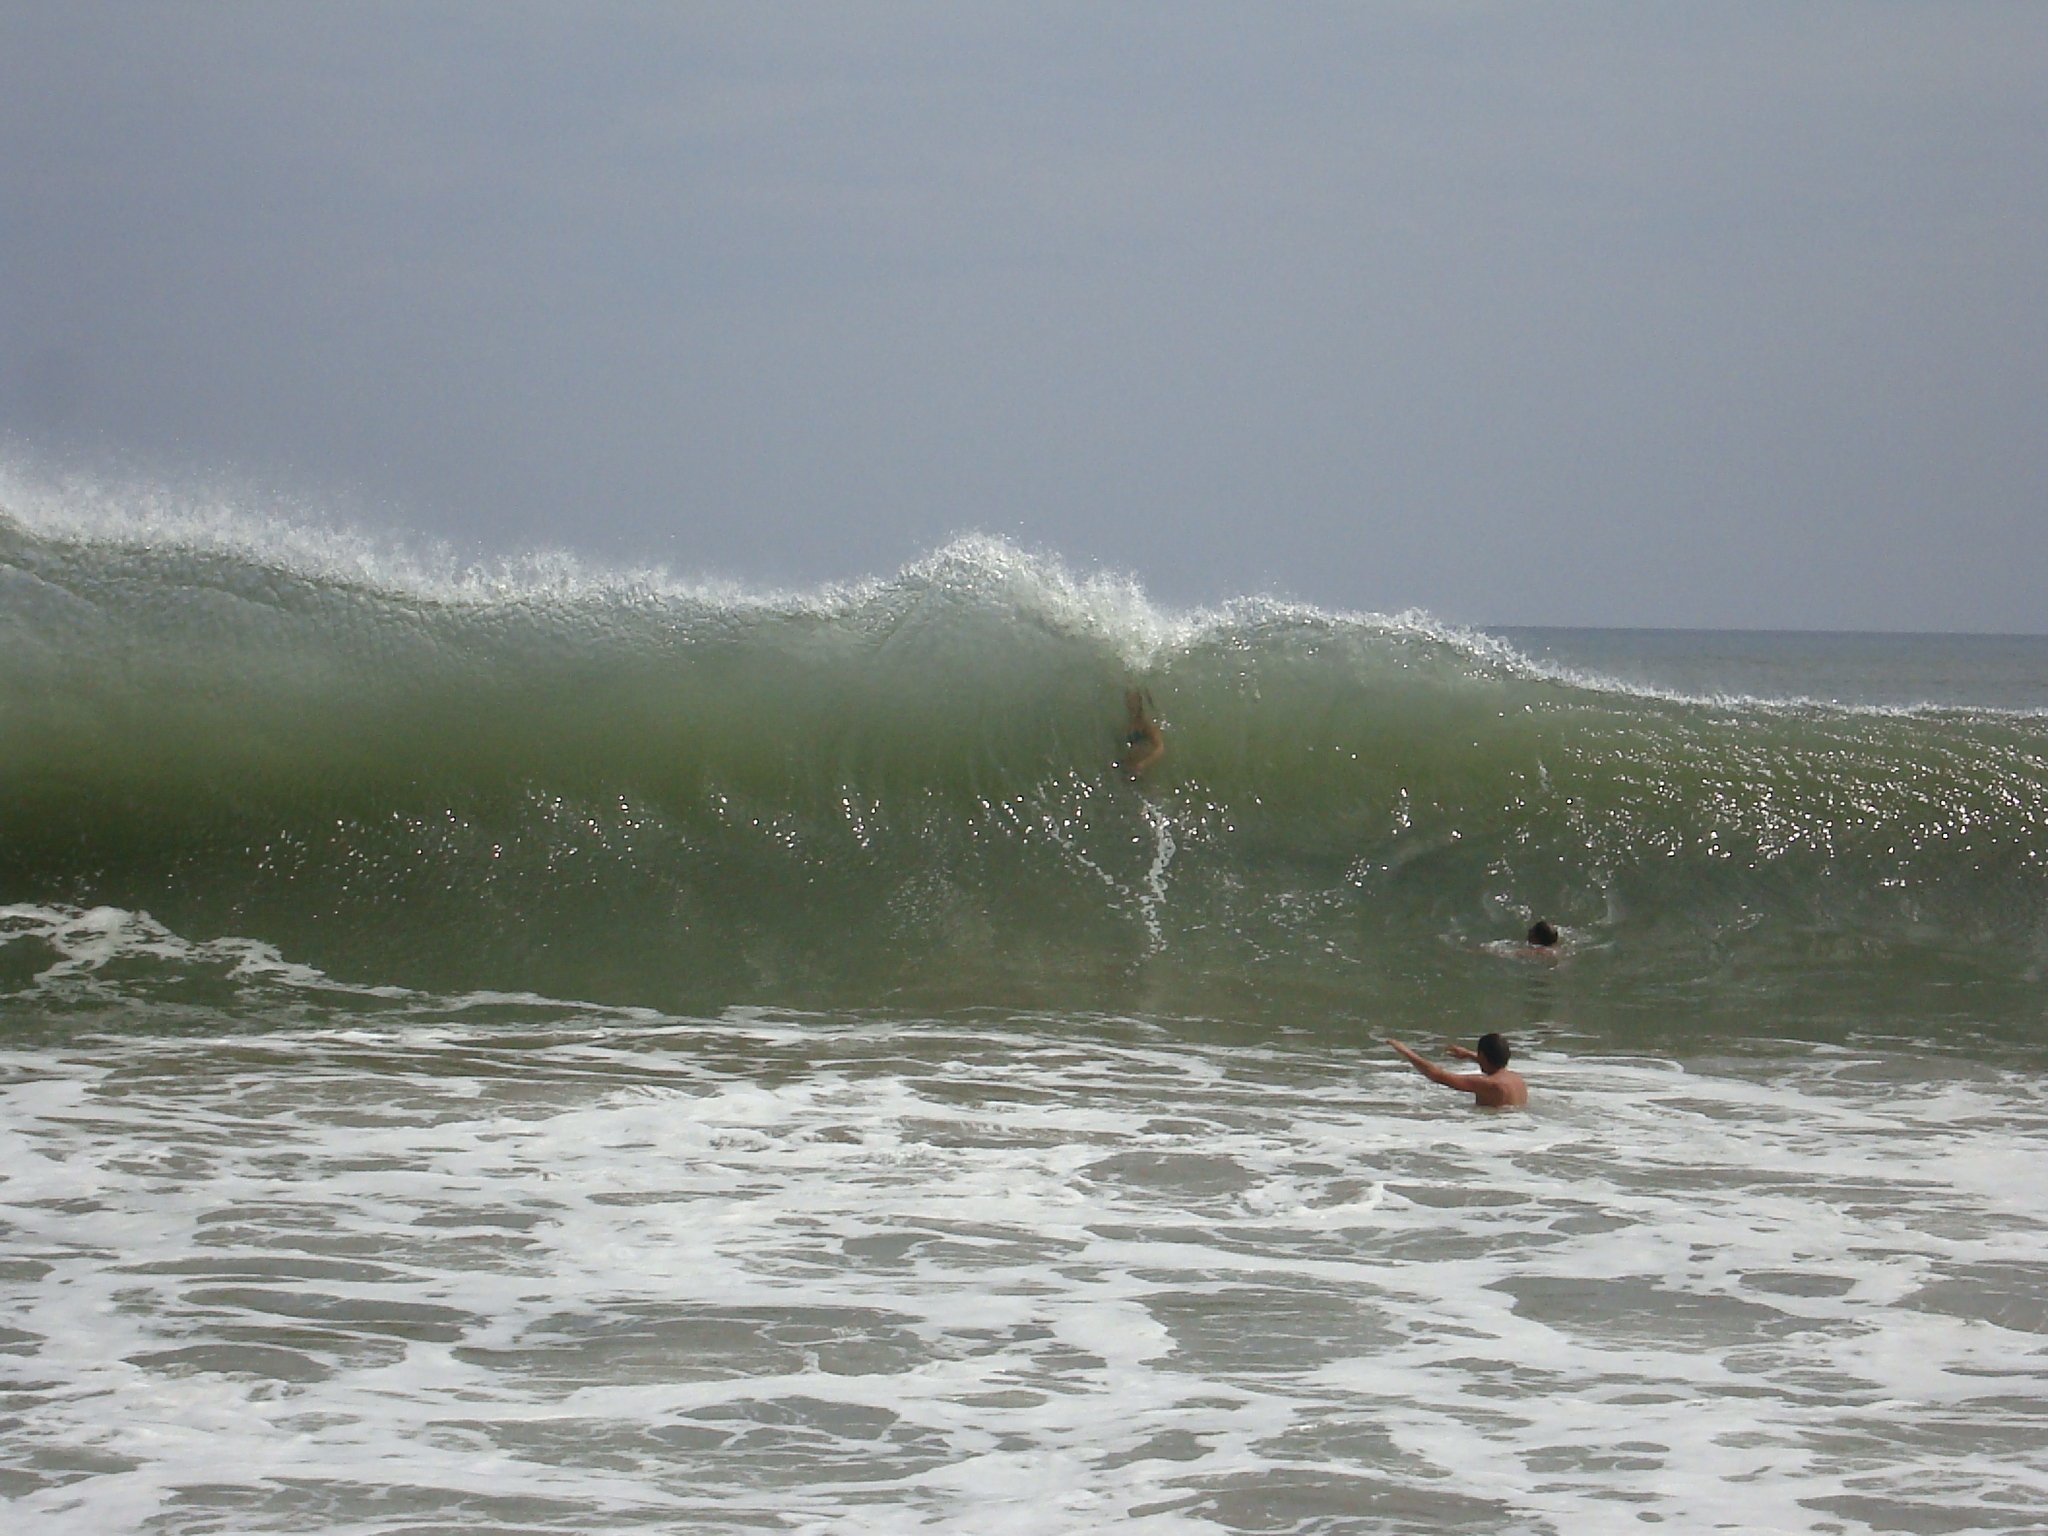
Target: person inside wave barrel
{"x": 1144, "y": 746}
{"x": 1493, "y": 1086}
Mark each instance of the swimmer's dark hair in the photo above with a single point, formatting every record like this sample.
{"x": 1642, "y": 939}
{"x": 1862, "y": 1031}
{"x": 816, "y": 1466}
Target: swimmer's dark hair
{"x": 1492, "y": 1052}
{"x": 1542, "y": 934}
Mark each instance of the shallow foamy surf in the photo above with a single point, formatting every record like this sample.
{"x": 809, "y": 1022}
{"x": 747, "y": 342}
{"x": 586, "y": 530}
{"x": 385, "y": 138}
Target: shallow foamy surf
{"x": 569, "y": 1272}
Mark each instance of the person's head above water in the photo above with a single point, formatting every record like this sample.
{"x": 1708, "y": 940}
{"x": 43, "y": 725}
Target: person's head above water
{"x": 1542, "y": 934}
{"x": 1492, "y": 1052}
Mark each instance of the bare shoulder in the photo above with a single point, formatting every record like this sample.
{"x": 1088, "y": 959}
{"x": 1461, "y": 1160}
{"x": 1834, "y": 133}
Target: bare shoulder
{"x": 1502, "y": 1090}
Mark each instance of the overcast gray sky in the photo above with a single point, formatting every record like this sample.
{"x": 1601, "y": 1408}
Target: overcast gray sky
{"x": 1714, "y": 314}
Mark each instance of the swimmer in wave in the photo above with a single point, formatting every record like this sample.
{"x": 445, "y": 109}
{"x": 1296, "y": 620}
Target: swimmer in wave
{"x": 1493, "y": 1086}
{"x": 1144, "y": 745}
{"x": 1543, "y": 941}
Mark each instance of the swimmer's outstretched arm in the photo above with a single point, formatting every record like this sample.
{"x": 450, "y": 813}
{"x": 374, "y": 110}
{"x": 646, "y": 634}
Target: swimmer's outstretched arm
{"x": 1465, "y": 1082}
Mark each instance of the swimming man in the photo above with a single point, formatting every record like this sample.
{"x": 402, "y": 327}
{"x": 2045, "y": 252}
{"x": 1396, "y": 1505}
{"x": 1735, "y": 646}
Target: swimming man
{"x": 1492, "y": 1086}
{"x": 1144, "y": 746}
{"x": 1542, "y": 942}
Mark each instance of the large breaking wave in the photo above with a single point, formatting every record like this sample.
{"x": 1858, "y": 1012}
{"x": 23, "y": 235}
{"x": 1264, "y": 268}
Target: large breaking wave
{"x": 633, "y": 790}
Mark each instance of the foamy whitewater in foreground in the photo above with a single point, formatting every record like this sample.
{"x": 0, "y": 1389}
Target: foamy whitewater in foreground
{"x": 560, "y": 1272}
{"x": 462, "y": 1070}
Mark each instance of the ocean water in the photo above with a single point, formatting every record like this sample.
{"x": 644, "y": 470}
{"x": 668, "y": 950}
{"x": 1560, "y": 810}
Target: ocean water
{"x": 554, "y": 1050}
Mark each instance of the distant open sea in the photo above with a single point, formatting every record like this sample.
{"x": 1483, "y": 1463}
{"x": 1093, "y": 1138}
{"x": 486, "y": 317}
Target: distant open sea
{"x": 555, "y": 1051}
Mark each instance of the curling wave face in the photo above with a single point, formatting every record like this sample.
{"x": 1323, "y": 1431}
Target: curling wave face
{"x": 628, "y": 790}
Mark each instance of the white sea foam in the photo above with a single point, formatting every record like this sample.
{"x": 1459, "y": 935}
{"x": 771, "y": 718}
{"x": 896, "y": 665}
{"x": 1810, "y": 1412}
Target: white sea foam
{"x": 1055, "y": 1275}
{"x": 268, "y": 532}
